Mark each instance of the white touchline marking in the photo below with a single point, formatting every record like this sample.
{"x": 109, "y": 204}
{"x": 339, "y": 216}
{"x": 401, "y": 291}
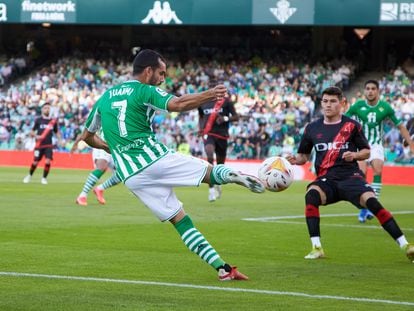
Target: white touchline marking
{"x": 332, "y": 225}
{"x": 322, "y": 215}
{"x": 217, "y": 288}
{"x": 280, "y": 220}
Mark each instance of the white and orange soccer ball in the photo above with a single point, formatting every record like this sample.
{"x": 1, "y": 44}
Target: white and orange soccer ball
{"x": 276, "y": 173}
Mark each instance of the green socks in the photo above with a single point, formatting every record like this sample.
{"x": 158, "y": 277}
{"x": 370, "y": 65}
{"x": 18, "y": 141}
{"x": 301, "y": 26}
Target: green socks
{"x": 377, "y": 185}
{"x": 197, "y": 243}
{"x": 220, "y": 175}
{"x": 91, "y": 181}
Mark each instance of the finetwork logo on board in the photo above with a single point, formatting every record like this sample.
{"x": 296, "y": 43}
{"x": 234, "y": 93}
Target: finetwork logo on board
{"x": 48, "y": 11}
{"x": 161, "y": 14}
{"x": 397, "y": 11}
{"x": 283, "y": 11}
{"x": 3, "y": 12}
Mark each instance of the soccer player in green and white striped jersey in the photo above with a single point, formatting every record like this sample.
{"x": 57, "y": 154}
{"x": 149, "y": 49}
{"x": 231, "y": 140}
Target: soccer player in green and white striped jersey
{"x": 371, "y": 113}
{"x": 146, "y": 166}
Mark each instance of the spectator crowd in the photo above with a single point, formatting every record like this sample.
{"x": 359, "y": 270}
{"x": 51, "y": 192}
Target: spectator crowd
{"x": 275, "y": 98}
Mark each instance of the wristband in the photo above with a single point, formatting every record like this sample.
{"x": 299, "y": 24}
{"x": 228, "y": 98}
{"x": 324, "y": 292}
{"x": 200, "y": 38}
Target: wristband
{"x": 226, "y": 119}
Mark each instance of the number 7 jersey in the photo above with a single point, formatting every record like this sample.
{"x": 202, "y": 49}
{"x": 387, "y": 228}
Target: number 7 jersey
{"x": 372, "y": 117}
{"x": 125, "y": 113}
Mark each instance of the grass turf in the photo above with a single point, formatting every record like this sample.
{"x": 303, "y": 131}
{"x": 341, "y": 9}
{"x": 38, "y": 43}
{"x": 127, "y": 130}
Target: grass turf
{"x": 42, "y": 231}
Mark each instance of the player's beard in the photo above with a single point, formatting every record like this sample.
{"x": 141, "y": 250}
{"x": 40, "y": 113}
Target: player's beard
{"x": 154, "y": 81}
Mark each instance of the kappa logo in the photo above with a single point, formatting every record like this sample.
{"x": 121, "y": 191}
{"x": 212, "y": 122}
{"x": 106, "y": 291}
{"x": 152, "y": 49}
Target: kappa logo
{"x": 161, "y": 14}
{"x": 283, "y": 11}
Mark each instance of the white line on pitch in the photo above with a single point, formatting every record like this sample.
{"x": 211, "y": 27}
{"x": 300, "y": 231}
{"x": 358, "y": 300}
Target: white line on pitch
{"x": 323, "y": 215}
{"x": 216, "y": 288}
{"x": 334, "y": 225}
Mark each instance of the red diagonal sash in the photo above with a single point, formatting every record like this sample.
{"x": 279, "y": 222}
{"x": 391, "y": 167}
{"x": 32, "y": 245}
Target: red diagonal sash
{"x": 213, "y": 116}
{"x": 332, "y": 155}
{"x": 48, "y": 128}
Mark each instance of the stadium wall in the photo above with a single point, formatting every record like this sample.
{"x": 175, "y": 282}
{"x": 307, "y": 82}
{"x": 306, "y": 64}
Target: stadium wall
{"x": 393, "y": 175}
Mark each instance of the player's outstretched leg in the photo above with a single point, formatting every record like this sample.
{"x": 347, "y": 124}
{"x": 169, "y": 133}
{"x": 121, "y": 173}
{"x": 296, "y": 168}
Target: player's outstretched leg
{"x": 91, "y": 181}
{"x": 390, "y": 225}
{"x": 198, "y": 244}
{"x": 221, "y": 174}
{"x": 110, "y": 182}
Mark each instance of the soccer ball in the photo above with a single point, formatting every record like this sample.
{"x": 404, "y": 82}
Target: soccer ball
{"x": 276, "y": 173}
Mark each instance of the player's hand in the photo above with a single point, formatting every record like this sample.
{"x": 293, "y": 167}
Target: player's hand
{"x": 412, "y": 147}
{"x": 219, "y": 119}
{"x": 220, "y": 91}
{"x": 348, "y": 156}
{"x": 291, "y": 159}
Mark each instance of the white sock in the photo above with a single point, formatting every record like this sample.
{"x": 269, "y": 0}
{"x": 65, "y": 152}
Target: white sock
{"x": 316, "y": 241}
{"x": 402, "y": 241}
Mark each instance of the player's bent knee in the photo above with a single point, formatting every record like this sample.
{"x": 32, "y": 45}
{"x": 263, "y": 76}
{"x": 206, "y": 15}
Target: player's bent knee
{"x": 378, "y": 210}
{"x": 312, "y": 200}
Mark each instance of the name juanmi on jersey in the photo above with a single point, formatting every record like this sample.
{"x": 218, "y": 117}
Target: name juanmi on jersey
{"x": 120, "y": 92}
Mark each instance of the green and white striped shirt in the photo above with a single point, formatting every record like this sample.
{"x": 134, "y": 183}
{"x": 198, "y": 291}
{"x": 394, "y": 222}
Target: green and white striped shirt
{"x": 125, "y": 113}
{"x": 372, "y": 117}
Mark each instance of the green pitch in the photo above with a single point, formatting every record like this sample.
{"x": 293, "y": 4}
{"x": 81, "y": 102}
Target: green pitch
{"x": 119, "y": 257}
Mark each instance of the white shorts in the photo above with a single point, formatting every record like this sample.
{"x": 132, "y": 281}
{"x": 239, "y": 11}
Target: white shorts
{"x": 377, "y": 152}
{"x": 154, "y": 185}
{"x": 99, "y": 154}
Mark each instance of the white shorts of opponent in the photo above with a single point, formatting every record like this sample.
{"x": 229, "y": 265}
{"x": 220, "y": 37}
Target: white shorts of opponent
{"x": 154, "y": 185}
{"x": 99, "y": 154}
{"x": 377, "y": 152}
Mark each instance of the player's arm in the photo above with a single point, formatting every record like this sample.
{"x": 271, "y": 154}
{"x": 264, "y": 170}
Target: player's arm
{"x": 33, "y": 132}
{"x": 76, "y": 143}
{"x": 359, "y": 155}
{"x": 298, "y": 159}
{"x": 234, "y": 116}
{"x": 361, "y": 144}
{"x": 93, "y": 125}
{"x": 94, "y": 140}
{"x": 304, "y": 151}
{"x": 406, "y": 135}
{"x": 191, "y": 101}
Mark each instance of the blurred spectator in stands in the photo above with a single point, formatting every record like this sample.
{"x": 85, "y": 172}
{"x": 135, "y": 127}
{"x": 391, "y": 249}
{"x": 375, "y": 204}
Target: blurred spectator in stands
{"x": 237, "y": 149}
{"x": 261, "y": 142}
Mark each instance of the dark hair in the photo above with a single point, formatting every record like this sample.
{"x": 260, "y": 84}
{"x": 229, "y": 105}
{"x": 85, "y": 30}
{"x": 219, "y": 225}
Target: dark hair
{"x": 375, "y": 82}
{"x": 333, "y": 90}
{"x": 146, "y": 58}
